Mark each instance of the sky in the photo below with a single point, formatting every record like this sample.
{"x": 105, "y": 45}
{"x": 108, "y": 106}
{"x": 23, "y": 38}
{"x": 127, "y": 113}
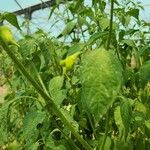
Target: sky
{"x": 40, "y": 18}
{"x": 10, "y": 5}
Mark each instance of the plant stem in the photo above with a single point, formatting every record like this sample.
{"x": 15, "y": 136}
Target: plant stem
{"x": 110, "y": 24}
{"x": 42, "y": 84}
{"x": 5, "y": 75}
{"x": 40, "y": 79}
{"x": 106, "y": 129}
{"x": 48, "y": 100}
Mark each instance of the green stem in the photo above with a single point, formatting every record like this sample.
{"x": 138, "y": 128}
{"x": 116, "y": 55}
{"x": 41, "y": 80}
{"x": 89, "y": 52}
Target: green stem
{"x": 5, "y": 75}
{"x": 68, "y": 138}
{"x": 46, "y": 97}
{"x": 110, "y": 24}
{"x": 106, "y": 129}
{"x": 92, "y": 125}
{"x": 39, "y": 78}
{"x": 42, "y": 84}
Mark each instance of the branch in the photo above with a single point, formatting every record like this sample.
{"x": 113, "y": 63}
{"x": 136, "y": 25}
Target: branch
{"x": 110, "y": 24}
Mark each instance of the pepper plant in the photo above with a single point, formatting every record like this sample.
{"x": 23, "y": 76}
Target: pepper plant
{"x": 90, "y": 93}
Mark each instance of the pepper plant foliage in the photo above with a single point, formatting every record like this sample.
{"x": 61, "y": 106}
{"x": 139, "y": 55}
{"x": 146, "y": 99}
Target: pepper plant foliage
{"x": 101, "y": 102}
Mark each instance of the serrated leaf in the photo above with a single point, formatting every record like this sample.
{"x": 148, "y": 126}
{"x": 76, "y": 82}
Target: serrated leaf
{"x": 27, "y": 47}
{"x": 126, "y": 113}
{"x": 55, "y": 90}
{"x": 3, "y": 121}
{"x": 30, "y": 123}
{"x": 101, "y": 78}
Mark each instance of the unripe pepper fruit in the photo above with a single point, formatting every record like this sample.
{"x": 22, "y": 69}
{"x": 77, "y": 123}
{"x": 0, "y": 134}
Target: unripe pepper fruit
{"x": 7, "y": 36}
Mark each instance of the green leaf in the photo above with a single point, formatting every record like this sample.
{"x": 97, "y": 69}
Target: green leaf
{"x": 118, "y": 121}
{"x": 78, "y": 6}
{"x": 75, "y": 48}
{"x": 107, "y": 143}
{"x": 12, "y": 19}
{"x": 27, "y": 47}
{"x": 145, "y": 48}
{"x": 147, "y": 124}
{"x": 55, "y": 90}
{"x": 31, "y": 67}
{"x": 33, "y": 146}
{"x": 138, "y": 106}
{"x": 134, "y": 13}
{"x": 126, "y": 113}
{"x": 104, "y": 23}
{"x": 144, "y": 74}
{"x": 30, "y": 123}
{"x": 147, "y": 127}
{"x": 53, "y": 9}
{"x": 60, "y": 147}
{"x": 5, "y": 115}
{"x": 36, "y": 61}
{"x": 4, "y": 110}
{"x": 50, "y": 144}
{"x": 14, "y": 145}
{"x": 138, "y": 119}
{"x": 101, "y": 78}
{"x": 127, "y": 19}
{"x": 141, "y": 142}
{"x": 129, "y": 42}
{"x": 70, "y": 118}
{"x": 82, "y": 21}
{"x": 122, "y": 145}
{"x": 56, "y": 83}
{"x": 102, "y": 5}
{"x": 68, "y": 29}
{"x": 96, "y": 36}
